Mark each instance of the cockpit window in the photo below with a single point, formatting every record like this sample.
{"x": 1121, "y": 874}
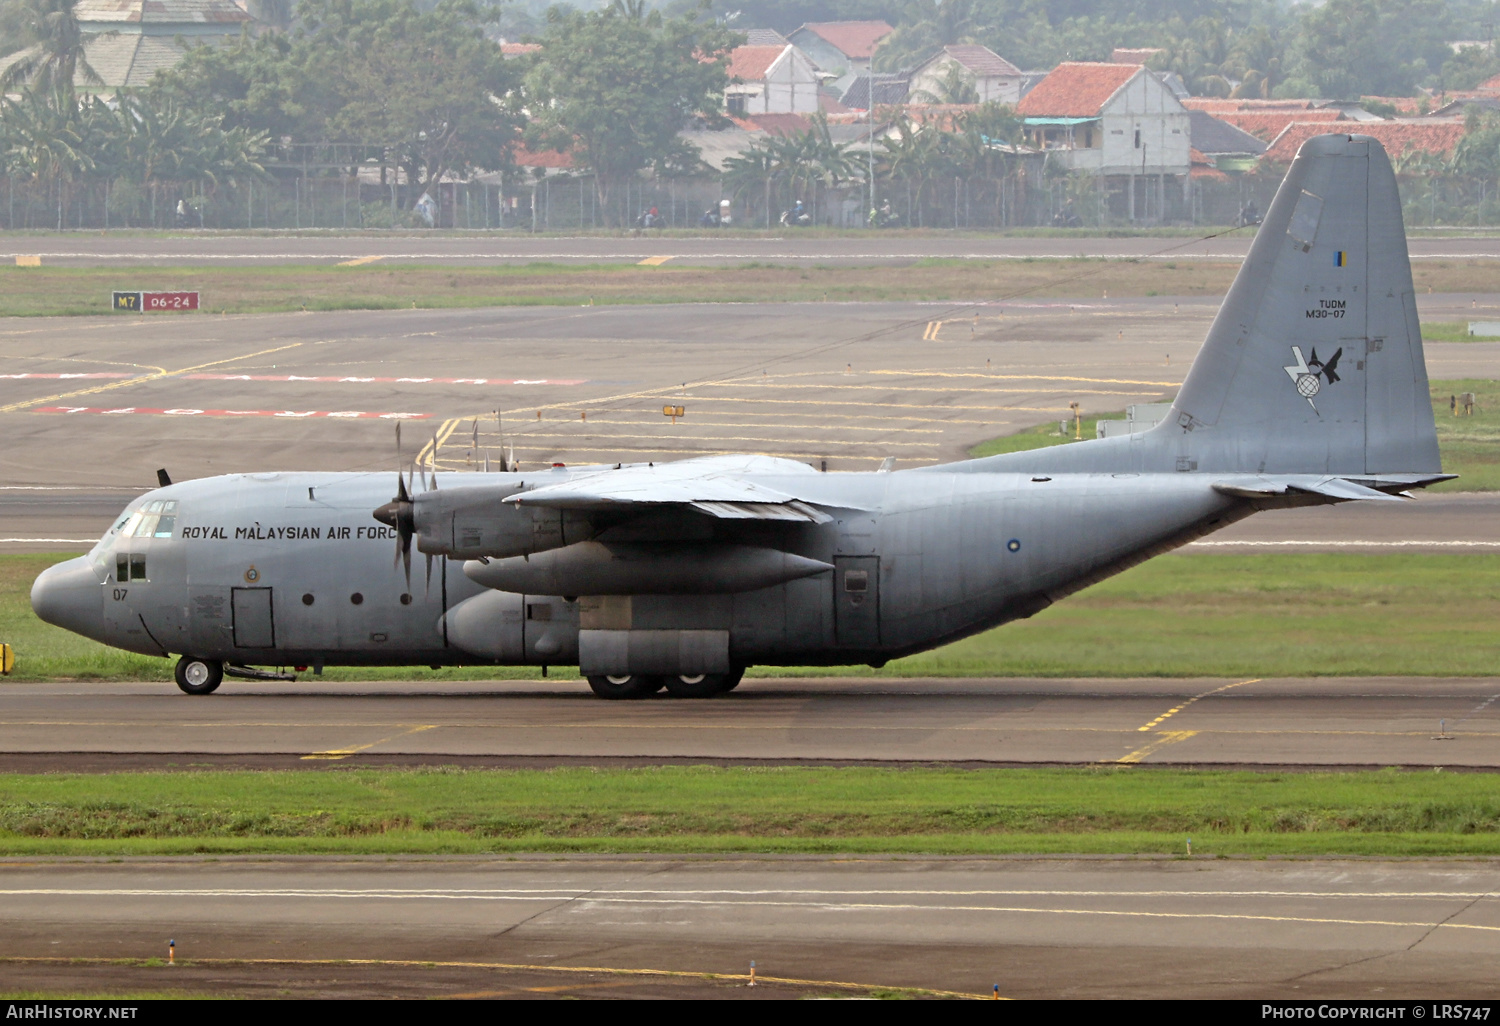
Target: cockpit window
{"x": 156, "y": 519}
{"x": 130, "y": 567}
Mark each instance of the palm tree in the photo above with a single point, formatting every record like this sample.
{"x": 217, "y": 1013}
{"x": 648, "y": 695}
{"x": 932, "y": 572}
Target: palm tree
{"x": 56, "y": 57}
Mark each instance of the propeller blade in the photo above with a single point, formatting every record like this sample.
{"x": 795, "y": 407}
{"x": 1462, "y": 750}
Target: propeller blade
{"x": 428, "y": 557}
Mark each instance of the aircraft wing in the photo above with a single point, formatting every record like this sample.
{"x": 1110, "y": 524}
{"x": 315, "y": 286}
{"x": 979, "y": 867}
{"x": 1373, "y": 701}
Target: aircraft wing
{"x": 1330, "y": 488}
{"x": 714, "y": 485}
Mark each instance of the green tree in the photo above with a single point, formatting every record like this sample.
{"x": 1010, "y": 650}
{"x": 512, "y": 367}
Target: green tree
{"x": 55, "y": 51}
{"x": 1351, "y": 48}
{"x": 426, "y": 89}
{"x": 431, "y": 83}
{"x": 614, "y": 87}
{"x": 1470, "y": 66}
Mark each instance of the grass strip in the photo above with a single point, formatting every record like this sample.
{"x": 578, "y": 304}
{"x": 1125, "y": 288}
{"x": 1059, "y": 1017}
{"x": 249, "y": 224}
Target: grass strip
{"x": 736, "y": 809}
{"x": 54, "y": 291}
{"x": 1179, "y": 615}
{"x": 1468, "y": 443}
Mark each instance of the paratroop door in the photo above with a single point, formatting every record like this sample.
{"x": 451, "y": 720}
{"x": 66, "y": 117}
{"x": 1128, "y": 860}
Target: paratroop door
{"x": 856, "y": 601}
{"x": 253, "y": 626}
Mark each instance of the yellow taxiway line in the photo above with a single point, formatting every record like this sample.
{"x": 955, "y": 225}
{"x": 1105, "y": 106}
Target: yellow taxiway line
{"x": 344, "y": 753}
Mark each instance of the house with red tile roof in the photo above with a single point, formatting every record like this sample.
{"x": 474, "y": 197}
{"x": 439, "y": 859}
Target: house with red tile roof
{"x": 1267, "y": 125}
{"x": 993, "y": 78}
{"x": 841, "y": 49}
{"x": 771, "y": 80}
{"x": 1398, "y": 137}
{"x": 1119, "y": 121}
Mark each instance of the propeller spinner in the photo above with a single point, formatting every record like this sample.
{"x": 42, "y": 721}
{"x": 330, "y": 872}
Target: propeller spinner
{"x": 400, "y": 514}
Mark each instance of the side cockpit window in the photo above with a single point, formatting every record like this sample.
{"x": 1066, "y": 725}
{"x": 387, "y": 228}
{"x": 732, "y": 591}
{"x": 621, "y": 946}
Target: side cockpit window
{"x": 156, "y": 519}
{"x": 130, "y": 567}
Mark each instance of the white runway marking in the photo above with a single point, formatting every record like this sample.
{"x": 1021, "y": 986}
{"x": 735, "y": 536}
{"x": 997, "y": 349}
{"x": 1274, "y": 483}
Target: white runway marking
{"x": 39, "y": 541}
{"x": 560, "y": 892}
{"x": 728, "y": 899}
{"x": 54, "y": 377}
{"x": 636, "y": 256}
{"x": 190, "y": 412}
{"x": 379, "y": 381}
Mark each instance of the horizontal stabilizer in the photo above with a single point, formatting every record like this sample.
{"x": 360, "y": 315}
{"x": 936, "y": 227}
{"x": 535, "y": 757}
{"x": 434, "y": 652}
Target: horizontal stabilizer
{"x": 1333, "y": 489}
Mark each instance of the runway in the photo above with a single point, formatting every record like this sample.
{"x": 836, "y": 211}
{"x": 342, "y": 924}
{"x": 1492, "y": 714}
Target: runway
{"x": 1292, "y": 723}
{"x": 92, "y": 407}
{"x": 229, "y": 249}
{"x": 551, "y": 927}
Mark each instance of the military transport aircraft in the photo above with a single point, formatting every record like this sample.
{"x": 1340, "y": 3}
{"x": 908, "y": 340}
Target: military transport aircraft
{"x": 680, "y": 575}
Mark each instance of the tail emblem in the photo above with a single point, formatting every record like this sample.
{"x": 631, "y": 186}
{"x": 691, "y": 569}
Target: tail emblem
{"x": 1308, "y": 375}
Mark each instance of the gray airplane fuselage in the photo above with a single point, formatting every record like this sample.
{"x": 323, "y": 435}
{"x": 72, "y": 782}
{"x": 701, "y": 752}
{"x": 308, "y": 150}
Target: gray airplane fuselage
{"x": 256, "y": 572}
{"x": 1311, "y": 387}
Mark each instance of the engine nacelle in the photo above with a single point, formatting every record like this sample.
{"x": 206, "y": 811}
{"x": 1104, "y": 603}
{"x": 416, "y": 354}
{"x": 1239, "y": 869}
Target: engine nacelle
{"x": 515, "y": 629}
{"x": 467, "y": 522}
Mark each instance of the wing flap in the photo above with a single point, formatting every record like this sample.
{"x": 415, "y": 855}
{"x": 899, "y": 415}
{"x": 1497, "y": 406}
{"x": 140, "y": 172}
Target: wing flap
{"x": 714, "y": 485}
{"x": 793, "y": 510}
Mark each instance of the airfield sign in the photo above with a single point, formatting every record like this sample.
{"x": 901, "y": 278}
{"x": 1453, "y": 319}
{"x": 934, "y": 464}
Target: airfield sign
{"x": 152, "y": 302}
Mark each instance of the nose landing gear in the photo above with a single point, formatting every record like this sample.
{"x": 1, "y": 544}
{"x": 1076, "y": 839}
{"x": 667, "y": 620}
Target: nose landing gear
{"x": 199, "y": 676}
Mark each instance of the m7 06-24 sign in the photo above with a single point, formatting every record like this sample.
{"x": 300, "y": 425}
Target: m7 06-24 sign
{"x": 152, "y": 302}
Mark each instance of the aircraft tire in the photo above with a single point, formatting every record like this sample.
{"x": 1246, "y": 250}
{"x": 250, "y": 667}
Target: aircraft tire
{"x": 732, "y": 680}
{"x": 700, "y": 685}
{"x": 199, "y": 676}
{"x": 634, "y": 685}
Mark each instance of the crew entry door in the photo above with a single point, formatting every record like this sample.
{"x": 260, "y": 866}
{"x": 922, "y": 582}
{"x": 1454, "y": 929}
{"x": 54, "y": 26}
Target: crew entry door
{"x": 856, "y": 601}
{"x": 253, "y": 625}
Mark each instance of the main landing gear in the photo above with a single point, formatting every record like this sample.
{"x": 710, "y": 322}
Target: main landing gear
{"x": 639, "y": 685}
{"x": 199, "y": 676}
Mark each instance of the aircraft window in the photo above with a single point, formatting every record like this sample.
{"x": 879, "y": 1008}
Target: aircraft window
{"x": 356, "y": 598}
{"x": 122, "y": 568}
{"x": 857, "y": 580}
{"x": 307, "y": 599}
{"x": 130, "y": 567}
{"x": 156, "y": 520}
{"x": 137, "y": 568}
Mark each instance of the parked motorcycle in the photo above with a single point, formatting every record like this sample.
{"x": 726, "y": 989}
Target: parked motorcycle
{"x": 883, "y": 217}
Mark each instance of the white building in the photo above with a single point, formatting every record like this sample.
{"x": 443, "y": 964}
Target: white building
{"x": 993, "y": 78}
{"x": 841, "y": 49}
{"x": 1118, "y": 121}
{"x": 770, "y": 80}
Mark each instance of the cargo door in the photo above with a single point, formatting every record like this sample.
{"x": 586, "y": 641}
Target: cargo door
{"x": 856, "y": 601}
{"x": 251, "y": 611}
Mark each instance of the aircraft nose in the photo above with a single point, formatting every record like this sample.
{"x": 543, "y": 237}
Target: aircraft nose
{"x": 68, "y": 595}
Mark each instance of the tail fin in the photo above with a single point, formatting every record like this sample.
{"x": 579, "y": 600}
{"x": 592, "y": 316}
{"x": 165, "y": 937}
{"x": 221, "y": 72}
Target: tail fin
{"x": 1314, "y": 363}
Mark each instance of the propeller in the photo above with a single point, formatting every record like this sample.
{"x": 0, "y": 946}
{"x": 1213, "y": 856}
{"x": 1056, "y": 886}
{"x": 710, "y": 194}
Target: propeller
{"x": 400, "y": 514}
